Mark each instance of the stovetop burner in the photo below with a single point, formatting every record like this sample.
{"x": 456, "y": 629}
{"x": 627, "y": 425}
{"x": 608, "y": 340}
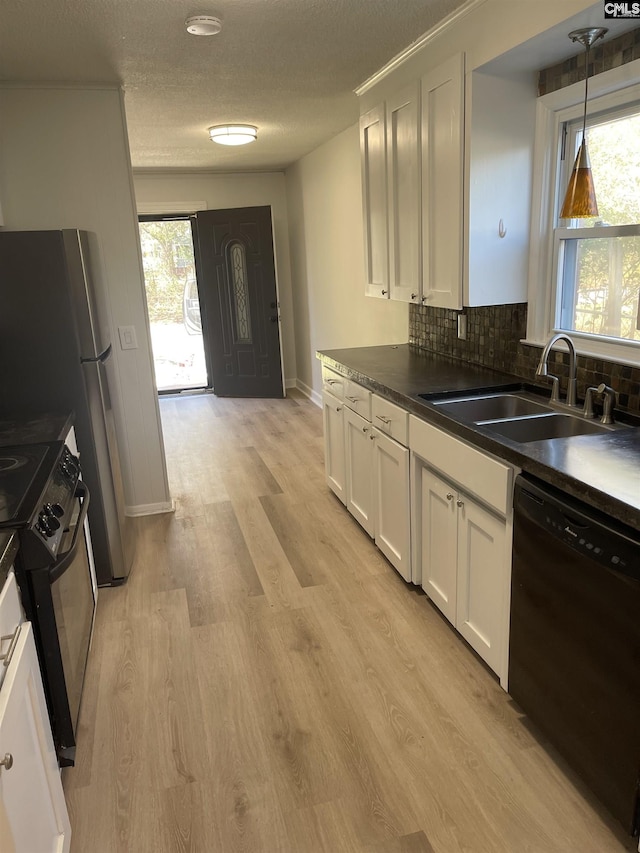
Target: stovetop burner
{"x": 10, "y": 463}
{"x": 18, "y": 469}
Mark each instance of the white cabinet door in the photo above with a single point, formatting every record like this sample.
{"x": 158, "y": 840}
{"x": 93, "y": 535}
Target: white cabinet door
{"x": 374, "y": 201}
{"x": 438, "y": 541}
{"x": 35, "y": 816}
{"x": 334, "y": 460}
{"x": 359, "y": 474}
{"x": 391, "y": 490}
{"x": 482, "y": 580}
{"x": 442, "y": 183}
{"x": 403, "y": 174}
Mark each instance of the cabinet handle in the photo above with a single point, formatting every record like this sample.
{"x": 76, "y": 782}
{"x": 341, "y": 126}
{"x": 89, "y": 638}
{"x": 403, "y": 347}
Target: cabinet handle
{"x": 414, "y": 295}
{"x": 372, "y": 436}
{"x": 7, "y": 761}
{"x": 331, "y": 381}
{"x": 338, "y": 408}
{"x": 353, "y": 399}
{"x": 425, "y": 297}
{"x": 383, "y": 419}
{"x": 13, "y": 639}
{"x": 449, "y": 496}
{"x": 365, "y": 429}
{"x": 459, "y": 502}
{"x": 384, "y": 292}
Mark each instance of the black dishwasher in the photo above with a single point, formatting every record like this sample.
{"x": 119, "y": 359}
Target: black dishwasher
{"x": 574, "y": 648}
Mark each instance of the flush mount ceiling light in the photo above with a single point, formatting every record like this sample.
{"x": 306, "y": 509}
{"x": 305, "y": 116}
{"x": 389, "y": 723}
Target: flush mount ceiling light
{"x": 203, "y": 25}
{"x": 580, "y": 199}
{"x": 233, "y": 134}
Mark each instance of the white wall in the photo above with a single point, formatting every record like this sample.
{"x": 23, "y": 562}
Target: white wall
{"x": 226, "y": 191}
{"x": 64, "y": 163}
{"x": 327, "y": 259}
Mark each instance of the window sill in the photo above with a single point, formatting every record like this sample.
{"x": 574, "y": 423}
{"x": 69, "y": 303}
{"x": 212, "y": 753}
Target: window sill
{"x": 621, "y": 353}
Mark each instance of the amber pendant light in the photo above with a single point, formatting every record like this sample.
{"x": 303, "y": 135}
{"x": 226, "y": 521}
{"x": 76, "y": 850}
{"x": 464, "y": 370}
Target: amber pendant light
{"x": 580, "y": 198}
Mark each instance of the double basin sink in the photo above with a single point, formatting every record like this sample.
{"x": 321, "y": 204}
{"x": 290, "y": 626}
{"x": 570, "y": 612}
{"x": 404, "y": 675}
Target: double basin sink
{"x": 520, "y": 416}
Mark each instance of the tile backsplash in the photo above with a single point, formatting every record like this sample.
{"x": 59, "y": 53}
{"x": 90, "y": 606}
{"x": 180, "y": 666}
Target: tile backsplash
{"x": 493, "y": 340}
{"x": 607, "y": 54}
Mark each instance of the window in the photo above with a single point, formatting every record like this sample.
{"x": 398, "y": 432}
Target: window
{"x": 584, "y": 275}
{"x": 598, "y": 261}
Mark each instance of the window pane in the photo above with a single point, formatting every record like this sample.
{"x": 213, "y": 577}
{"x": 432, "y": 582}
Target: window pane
{"x": 241, "y": 294}
{"x": 614, "y": 149}
{"x": 601, "y": 282}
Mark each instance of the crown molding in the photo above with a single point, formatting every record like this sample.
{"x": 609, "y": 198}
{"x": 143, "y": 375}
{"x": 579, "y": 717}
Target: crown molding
{"x": 440, "y": 28}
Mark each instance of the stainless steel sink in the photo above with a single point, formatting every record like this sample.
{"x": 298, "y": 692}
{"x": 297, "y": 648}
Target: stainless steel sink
{"x": 492, "y": 407}
{"x": 520, "y": 416}
{"x": 545, "y": 427}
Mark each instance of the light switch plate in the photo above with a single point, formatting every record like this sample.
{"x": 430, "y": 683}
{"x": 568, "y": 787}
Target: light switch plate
{"x": 128, "y": 339}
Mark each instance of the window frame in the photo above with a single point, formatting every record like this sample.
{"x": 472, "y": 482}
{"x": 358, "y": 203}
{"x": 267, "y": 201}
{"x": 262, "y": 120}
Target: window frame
{"x": 610, "y": 90}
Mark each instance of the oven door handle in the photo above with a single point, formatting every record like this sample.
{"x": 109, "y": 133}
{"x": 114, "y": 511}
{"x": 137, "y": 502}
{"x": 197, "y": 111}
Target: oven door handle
{"x": 64, "y": 560}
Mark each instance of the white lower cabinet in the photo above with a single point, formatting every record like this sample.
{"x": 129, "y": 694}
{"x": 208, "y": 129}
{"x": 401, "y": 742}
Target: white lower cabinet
{"x": 438, "y": 527}
{"x": 368, "y": 468}
{"x": 440, "y": 510}
{"x": 359, "y": 473}
{"x": 334, "y": 459}
{"x": 463, "y": 563}
{"x": 483, "y": 575}
{"x": 33, "y": 813}
{"x": 461, "y": 505}
{"x": 392, "y": 509}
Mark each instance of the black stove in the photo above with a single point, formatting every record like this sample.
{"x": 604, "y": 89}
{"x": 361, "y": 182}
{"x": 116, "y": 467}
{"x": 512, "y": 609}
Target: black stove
{"x": 43, "y": 499}
{"x": 37, "y": 486}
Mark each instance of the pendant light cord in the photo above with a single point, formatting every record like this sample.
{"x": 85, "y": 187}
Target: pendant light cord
{"x": 586, "y": 93}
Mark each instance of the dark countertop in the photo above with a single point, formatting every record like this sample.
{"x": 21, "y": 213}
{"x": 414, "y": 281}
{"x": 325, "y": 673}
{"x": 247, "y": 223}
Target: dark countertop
{"x": 50, "y": 426}
{"x": 601, "y": 470}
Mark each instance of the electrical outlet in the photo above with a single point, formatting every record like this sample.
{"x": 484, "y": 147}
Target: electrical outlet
{"x": 462, "y": 327}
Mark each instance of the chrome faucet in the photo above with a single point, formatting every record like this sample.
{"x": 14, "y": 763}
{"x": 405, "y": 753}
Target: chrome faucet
{"x": 542, "y": 369}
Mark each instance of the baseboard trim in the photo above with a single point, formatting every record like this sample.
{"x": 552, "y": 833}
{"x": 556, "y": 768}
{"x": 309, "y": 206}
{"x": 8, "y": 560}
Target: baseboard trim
{"x": 309, "y": 392}
{"x": 150, "y": 509}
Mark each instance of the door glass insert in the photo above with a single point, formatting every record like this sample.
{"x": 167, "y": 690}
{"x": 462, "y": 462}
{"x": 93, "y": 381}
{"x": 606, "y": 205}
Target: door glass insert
{"x": 240, "y": 293}
{"x": 173, "y": 304}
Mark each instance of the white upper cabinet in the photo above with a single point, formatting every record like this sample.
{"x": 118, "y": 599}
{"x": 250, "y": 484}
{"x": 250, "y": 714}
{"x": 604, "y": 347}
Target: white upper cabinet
{"x": 403, "y": 173}
{"x": 499, "y": 134}
{"x": 374, "y": 201}
{"x": 452, "y": 227}
{"x": 442, "y": 176}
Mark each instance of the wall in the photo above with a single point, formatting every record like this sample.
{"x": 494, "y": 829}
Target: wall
{"x": 64, "y": 163}
{"x": 225, "y": 191}
{"x": 327, "y": 259}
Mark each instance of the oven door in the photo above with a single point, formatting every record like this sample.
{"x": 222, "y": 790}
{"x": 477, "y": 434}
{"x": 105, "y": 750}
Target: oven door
{"x": 65, "y": 607}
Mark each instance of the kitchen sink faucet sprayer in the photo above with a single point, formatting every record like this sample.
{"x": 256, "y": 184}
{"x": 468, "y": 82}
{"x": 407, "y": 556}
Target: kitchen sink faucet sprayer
{"x": 542, "y": 369}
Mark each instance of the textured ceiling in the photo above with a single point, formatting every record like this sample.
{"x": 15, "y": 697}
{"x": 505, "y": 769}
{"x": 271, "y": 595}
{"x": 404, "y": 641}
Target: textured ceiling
{"x": 287, "y": 66}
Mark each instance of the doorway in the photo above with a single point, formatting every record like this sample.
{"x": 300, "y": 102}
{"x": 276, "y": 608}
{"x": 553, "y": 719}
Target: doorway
{"x": 173, "y": 303}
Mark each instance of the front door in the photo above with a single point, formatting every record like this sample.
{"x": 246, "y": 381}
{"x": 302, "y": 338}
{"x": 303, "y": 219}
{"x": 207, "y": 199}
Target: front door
{"x": 239, "y": 301}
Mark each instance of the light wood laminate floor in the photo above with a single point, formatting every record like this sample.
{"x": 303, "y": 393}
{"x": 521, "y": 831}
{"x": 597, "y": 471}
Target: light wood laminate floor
{"x": 265, "y": 681}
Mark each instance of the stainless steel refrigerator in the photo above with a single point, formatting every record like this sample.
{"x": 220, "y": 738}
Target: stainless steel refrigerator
{"x": 55, "y": 356}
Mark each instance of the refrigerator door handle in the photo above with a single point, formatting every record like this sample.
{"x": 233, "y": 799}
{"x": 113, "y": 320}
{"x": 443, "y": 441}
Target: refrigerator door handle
{"x": 106, "y": 354}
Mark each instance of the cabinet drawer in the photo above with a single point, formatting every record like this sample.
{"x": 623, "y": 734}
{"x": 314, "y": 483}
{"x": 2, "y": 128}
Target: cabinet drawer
{"x": 333, "y": 382}
{"x": 476, "y": 473}
{"x": 358, "y": 398}
{"x": 389, "y": 418}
